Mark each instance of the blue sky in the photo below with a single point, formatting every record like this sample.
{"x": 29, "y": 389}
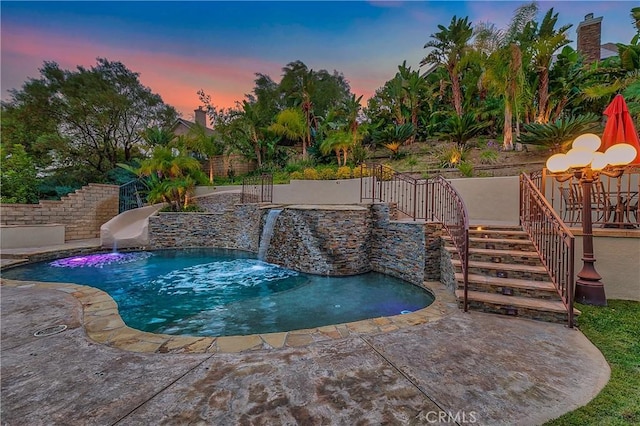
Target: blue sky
{"x": 181, "y": 47}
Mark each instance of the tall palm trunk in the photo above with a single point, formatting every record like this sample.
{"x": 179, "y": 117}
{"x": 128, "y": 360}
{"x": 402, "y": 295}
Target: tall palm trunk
{"x": 507, "y": 141}
{"x": 457, "y": 92}
{"x": 543, "y": 96}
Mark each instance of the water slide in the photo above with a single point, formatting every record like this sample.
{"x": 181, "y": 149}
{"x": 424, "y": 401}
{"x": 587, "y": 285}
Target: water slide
{"x": 128, "y": 229}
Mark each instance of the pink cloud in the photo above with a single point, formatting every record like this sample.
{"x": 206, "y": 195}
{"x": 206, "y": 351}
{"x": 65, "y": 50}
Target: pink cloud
{"x": 176, "y": 78}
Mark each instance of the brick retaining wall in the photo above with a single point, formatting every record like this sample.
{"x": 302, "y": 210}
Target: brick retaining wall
{"x": 82, "y": 212}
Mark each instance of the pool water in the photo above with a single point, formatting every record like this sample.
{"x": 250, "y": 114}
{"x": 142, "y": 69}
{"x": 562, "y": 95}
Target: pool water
{"x": 214, "y": 292}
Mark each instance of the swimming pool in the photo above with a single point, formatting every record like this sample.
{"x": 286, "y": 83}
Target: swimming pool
{"x": 216, "y": 292}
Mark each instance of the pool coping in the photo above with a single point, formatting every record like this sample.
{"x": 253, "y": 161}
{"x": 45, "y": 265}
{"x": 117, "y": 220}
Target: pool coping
{"x": 102, "y": 323}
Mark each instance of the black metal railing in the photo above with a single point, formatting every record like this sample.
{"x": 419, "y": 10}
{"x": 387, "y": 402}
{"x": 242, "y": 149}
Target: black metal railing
{"x": 421, "y": 199}
{"x": 257, "y": 189}
{"x": 614, "y": 200}
{"x": 551, "y": 238}
{"x": 131, "y": 195}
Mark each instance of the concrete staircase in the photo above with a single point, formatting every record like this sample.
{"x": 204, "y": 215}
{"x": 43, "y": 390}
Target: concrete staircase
{"x": 506, "y": 276}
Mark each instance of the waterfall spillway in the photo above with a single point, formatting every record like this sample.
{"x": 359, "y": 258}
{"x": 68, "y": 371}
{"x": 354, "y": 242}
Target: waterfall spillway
{"x": 267, "y": 232}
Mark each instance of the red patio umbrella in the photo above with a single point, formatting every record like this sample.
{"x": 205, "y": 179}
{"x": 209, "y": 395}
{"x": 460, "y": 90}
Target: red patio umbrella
{"x": 620, "y": 127}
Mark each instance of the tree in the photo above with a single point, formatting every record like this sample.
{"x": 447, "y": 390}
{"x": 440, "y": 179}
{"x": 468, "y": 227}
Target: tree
{"x": 18, "y": 183}
{"x": 291, "y": 123}
{"x": 545, "y": 44}
{"x": 96, "y": 116}
{"x": 449, "y": 47}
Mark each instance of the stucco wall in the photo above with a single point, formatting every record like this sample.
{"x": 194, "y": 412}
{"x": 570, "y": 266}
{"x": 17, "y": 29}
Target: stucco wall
{"x": 490, "y": 200}
{"x": 345, "y": 191}
{"x": 618, "y": 263}
{"x": 82, "y": 212}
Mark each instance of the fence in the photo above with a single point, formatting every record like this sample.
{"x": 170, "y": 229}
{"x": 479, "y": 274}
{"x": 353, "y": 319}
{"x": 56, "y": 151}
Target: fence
{"x": 614, "y": 200}
{"x": 551, "y": 238}
{"x": 131, "y": 195}
{"x": 421, "y": 199}
{"x": 257, "y": 189}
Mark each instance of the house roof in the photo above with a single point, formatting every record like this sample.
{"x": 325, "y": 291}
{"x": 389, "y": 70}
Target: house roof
{"x": 608, "y": 50}
{"x": 188, "y": 125}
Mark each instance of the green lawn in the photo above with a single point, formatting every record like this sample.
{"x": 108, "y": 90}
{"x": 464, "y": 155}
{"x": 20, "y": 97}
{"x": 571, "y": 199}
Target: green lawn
{"x": 615, "y": 330}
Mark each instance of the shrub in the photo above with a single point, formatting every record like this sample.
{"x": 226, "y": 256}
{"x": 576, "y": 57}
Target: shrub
{"x": 488, "y": 156}
{"x": 326, "y": 174}
{"x": 297, "y": 175}
{"x": 310, "y": 174}
{"x": 343, "y": 172}
{"x": 451, "y": 155}
{"x": 387, "y": 172}
{"x": 466, "y": 169}
{"x": 560, "y": 133}
{"x": 361, "y": 171}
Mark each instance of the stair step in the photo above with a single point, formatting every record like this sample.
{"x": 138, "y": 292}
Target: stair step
{"x": 499, "y": 233}
{"x": 496, "y": 252}
{"x": 503, "y": 266}
{"x": 508, "y": 282}
{"x": 514, "y": 301}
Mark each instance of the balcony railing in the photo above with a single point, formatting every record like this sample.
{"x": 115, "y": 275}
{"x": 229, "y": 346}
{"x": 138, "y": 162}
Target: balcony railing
{"x": 421, "y": 199}
{"x": 551, "y": 238}
{"x": 257, "y": 189}
{"x": 614, "y": 201}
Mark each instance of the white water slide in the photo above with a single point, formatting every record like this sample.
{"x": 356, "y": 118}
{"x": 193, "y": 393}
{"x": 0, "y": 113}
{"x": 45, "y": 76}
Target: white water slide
{"x": 128, "y": 229}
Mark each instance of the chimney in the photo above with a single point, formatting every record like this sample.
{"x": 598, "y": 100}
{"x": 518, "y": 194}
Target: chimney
{"x": 589, "y": 33}
{"x": 201, "y": 117}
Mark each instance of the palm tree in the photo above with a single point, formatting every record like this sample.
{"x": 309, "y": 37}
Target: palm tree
{"x": 503, "y": 64}
{"x": 202, "y": 141}
{"x": 291, "y": 124}
{"x": 546, "y": 42}
{"x": 450, "y": 45}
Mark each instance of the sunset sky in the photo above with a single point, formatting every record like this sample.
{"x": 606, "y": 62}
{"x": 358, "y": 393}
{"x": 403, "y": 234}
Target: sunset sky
{"x": 181, "y": 47}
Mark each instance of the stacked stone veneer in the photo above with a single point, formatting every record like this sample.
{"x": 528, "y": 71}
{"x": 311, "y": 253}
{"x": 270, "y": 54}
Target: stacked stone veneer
{"x": 82, "y": 212}
{"x": 236, "y": 227}
{"x": 219, "y": 202}
{"x": 327, "y": 240}
{"x": 322, "y": 240}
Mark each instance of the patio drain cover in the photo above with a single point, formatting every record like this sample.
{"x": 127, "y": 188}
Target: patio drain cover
{"x": 50, "y": 330}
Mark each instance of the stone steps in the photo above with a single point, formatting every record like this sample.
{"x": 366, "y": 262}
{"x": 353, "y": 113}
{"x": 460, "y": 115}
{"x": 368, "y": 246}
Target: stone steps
{"x": 511, "y": 286}
{"x": 502, "y": 233}
{"x": 537, "y": 309}
{"x": 506, "y": 276}
{"x": 506, "y": 270}
{"x": 500, "y": 256}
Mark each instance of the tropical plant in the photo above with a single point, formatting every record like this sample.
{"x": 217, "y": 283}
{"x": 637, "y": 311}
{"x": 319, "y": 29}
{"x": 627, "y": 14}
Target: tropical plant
{"x": 459, "y": 129}
{"x": 291, "y": 124}
{"x": 340, "y": 142}
{"x": 557, "y": 135}
{"x": 449, "y": 47}
{"x": 451, "y": 155}
{"x": 546, "y": 42}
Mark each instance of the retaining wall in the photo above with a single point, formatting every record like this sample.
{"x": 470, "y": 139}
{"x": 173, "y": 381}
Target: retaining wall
{"x": 82, "y": 212}
{"x": 326, "y": 240}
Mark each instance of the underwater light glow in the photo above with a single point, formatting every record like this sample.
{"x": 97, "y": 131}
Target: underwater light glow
{"x": 99, "y": 260}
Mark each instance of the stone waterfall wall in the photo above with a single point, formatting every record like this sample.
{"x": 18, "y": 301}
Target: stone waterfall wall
{"x": 324, "y": 240}
{"x": 236, "y": 227}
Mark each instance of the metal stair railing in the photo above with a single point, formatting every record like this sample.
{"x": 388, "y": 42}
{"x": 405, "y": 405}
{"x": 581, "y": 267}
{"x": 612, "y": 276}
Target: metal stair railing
{"x": 551, "y": 238}
{"x": 421, "y": 199}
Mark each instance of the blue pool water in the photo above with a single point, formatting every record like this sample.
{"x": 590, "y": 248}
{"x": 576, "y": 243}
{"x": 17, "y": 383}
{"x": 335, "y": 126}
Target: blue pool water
{"x": 213, "y": 292}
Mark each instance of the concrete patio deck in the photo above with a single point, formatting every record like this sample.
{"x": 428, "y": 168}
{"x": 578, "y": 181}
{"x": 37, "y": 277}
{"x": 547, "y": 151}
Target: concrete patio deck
{"x": 451, "y": 367}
